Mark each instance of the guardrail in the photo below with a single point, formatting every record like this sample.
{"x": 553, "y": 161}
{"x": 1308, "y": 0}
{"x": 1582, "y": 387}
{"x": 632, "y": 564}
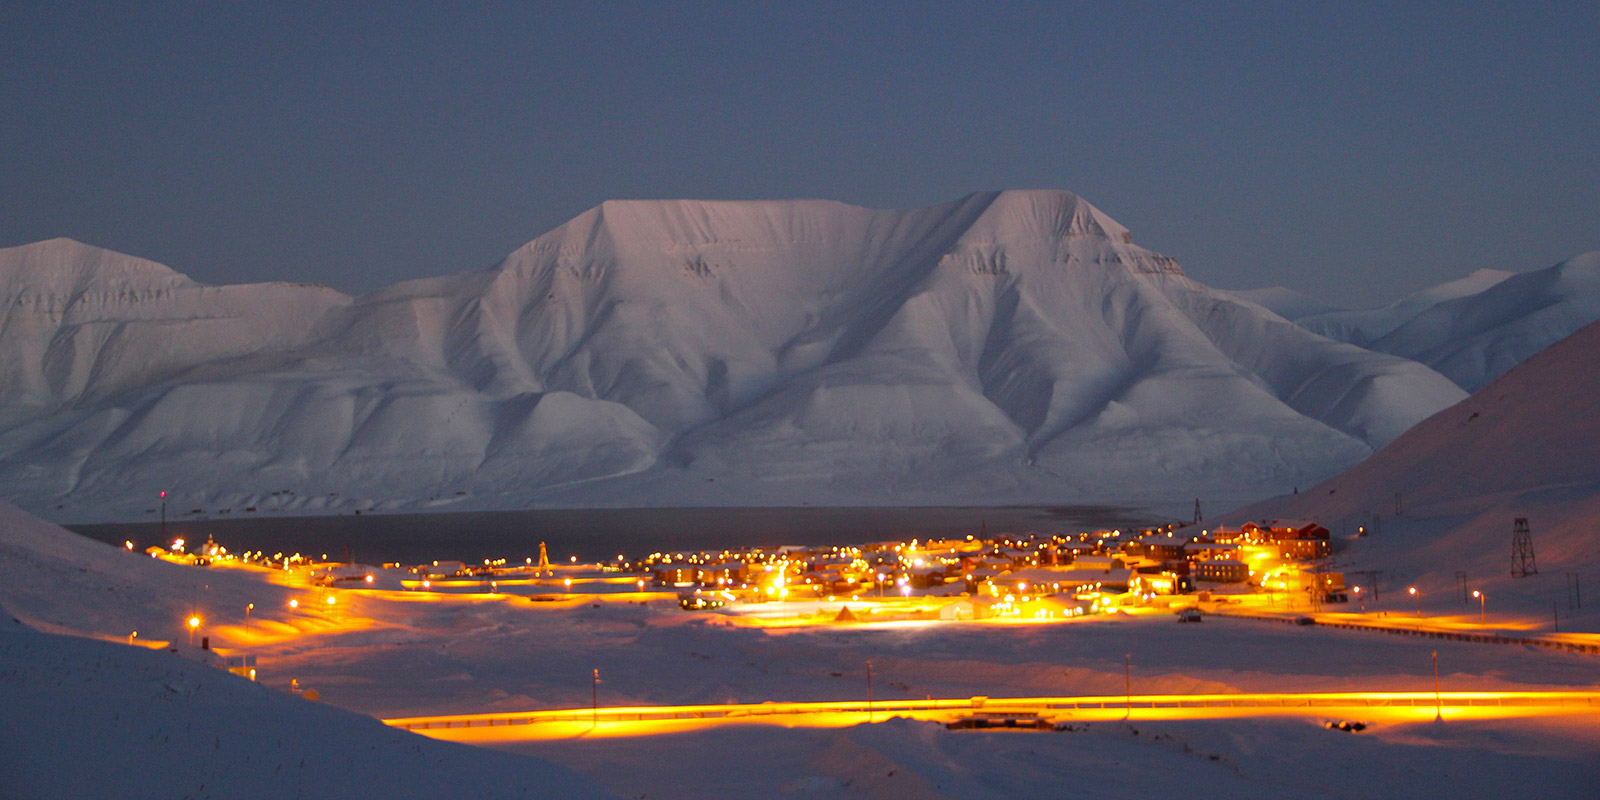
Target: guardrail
{"x": 1330, "y": 700}
{"x": 1426, "y": 633}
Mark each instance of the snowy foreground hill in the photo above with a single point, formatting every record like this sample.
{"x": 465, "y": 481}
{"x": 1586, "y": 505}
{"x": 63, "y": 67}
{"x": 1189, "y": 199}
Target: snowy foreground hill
{"x": 1010, "y": 347}
{"x": 1525, "y": 446}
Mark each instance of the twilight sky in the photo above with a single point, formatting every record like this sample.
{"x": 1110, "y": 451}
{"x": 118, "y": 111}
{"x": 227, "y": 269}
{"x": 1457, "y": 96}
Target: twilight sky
{"x": 1355, "y": 151}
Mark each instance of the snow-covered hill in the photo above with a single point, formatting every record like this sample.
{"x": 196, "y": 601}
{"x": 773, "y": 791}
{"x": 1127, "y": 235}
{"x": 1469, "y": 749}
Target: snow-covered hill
{"x": 1527, "y": 445}
{"x": 1010, "y": 347}
{"x": 1365, "y": 327}
{"x": 87, "y": 715}
{"x": 87, "y": 718}
{"x": 1475, "y": 338}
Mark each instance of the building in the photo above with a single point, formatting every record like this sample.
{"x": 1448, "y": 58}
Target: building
{"x": 1165, "y": 546}
{"x": 1206, "y": 551}
{"x": 1304, "y": 549}
{"x": 679, "y": 574}
{"x": 1220, "y": 570}
{"x": 725, "y": 573}
{"x": 967, "y": 608}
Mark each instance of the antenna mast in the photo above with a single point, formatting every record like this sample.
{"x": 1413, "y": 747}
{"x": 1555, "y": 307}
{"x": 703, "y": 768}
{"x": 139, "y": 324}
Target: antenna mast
{"x": 1522, "y": 561}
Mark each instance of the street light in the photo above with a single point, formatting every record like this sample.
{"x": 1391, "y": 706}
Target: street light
{"x": 1482, "y": 602}
{"x": 1412, "y": 590}
{"x": 194, "y": 622}
{"x": 1360, "y": 598}
{"x": 247, "y": 609}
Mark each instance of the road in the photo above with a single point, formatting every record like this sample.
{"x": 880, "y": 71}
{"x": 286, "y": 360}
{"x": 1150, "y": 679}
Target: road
{"x": 647, "y": 720}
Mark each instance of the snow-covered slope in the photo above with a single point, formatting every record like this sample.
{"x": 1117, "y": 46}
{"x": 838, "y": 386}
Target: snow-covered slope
{"x": 88, "y": 718}
{"x": 1475, "y": 338}
{"x": 1005, "y": 347}
{"x": 1472, "y": 329}
{"x": 1364, "y": 327}
{"x": 1527, "y": 445}
{"x": 98, "y": 719}
{"x": 1287, "y": 303}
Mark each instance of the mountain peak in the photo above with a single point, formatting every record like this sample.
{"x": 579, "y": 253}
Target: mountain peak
{"x": 68, "y": 266}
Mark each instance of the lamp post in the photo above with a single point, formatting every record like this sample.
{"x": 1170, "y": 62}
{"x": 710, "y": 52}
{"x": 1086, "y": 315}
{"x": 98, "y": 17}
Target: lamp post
{"x": 131, "y": 637}
{"x": 1418, "y": 595}
{"x": 1127, "y": 684}
{"x": 1439, "y": 703}
{"x": 1361, "y": 598}
{"x": 1483, "y": 615}
{"x": 194, "y": 622}
{"x": 869, "y": 690}
{"x": 247, "y": 609}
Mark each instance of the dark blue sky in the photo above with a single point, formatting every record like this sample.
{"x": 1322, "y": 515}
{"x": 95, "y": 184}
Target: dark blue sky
{"x": 1354, "y": 151}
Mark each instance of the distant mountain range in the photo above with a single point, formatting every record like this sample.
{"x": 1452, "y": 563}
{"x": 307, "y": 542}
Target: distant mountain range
{"x": 1472, "y": 330}
{"x": 1011, "y": 347}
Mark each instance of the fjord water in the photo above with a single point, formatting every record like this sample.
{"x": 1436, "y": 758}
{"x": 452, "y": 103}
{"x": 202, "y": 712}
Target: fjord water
{"x": 603, "y": 534}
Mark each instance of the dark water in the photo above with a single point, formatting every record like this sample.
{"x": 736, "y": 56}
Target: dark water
{"x": 601, "y": 534}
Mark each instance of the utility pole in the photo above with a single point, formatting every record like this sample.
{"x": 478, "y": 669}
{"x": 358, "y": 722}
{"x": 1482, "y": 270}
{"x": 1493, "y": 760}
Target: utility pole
{"x": 1197, "y": 517}
{"x": 163, "y": 518}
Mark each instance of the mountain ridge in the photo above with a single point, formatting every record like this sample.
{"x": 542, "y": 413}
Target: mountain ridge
{"x": 1002, "y": 347}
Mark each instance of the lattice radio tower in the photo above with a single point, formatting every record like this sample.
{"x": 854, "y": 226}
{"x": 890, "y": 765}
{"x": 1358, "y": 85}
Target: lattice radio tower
{"x": 544, "y": 560}
{"x": 1197, "y": 517}
{"x": 1522, "y": 561}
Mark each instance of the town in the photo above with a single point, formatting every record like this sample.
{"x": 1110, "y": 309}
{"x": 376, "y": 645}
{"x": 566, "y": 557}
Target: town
{"x": 1271, "y": 566}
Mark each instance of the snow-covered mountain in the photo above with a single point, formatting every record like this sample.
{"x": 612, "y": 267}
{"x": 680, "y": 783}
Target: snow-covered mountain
{"x": 1004, "y": 347}
{"x": 1365, "y": 327}
{"x": 1472, "y": 329}
{"x": 1475, "y": 338}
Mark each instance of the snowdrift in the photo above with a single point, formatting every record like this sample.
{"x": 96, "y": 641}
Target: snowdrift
{"x": 1011, "y": 347}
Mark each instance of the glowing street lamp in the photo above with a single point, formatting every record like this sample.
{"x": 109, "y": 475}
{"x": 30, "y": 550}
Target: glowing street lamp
{"x": 131, "y": 637}
{"x": 1360, "y": 598}
{"x": 247, "y": 609}
{"x": 1482, "y": 602}
{"x": 194, "y": 622}
{"x": 294, "y": 604}
{"x": 1412, "y": 590}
